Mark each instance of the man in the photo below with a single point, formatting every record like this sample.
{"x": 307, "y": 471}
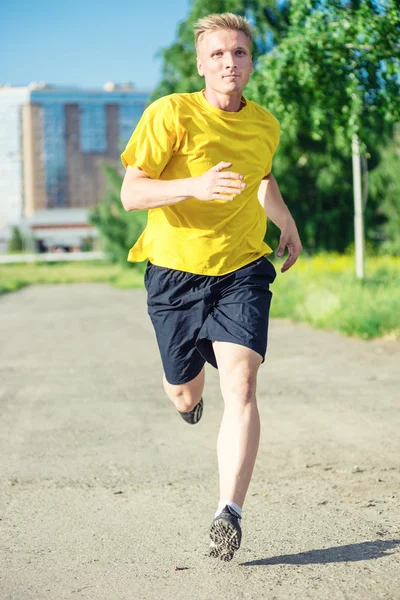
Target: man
{"x": 201, "y": 164}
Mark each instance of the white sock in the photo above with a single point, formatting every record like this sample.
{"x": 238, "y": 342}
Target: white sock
{"x": 223, "y": 503}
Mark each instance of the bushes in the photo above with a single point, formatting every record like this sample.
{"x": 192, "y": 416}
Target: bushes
{"x": 16, "y": 242}
{"x": 118, "y": 229}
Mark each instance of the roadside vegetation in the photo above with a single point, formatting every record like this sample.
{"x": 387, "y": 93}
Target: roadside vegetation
{"x": 16, "y": 276}
{"x": 321, "y": 290}
{"x": 324, "y": 292}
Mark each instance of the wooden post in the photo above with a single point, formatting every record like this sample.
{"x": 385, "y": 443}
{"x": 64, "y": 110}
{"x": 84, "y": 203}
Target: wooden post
{"x": 358, "y": 210}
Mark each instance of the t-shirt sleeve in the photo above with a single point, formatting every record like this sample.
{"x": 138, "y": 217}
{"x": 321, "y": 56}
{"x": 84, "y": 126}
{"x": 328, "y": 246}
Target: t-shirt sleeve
{"x": 274, "y": 143}
{"x": 153, "y": 141}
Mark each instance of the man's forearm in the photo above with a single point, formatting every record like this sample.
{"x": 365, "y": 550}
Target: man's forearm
{"x": 271, "y": 200}
{"x": 139, "y": 191}
{"x": 145, "y": 193}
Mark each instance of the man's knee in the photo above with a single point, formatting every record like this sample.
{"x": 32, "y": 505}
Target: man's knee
{"x": 238, "y": 367}
{"x": 185, "y": 396}
{"x": 240, "y": 387}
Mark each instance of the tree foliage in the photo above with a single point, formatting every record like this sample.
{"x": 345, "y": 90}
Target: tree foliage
{"x": 335, "y": 73}
{"x": 118, "y": 229}
{"x": 385, "y": 187}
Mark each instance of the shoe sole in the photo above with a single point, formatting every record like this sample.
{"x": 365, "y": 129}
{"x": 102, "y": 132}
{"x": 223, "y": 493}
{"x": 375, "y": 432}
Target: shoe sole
{"x": 225, "y": 538}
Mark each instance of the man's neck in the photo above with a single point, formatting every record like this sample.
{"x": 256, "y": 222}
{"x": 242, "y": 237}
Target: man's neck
{"x": 228, "y": 102}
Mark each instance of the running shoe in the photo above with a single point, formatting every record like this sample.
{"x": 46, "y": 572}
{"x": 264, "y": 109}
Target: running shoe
{"x": 192, "y": 417}
{"x": 225, "y": 535}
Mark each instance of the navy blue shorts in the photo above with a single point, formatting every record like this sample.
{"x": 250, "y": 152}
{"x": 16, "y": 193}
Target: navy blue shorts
{"x": 190, "y": 311}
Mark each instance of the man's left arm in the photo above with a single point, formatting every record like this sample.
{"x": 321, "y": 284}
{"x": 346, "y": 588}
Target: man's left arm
{"x": 271, "y": 200}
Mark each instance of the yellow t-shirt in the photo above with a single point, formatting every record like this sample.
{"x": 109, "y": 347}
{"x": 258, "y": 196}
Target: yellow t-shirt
{"x": 183, "y": 135}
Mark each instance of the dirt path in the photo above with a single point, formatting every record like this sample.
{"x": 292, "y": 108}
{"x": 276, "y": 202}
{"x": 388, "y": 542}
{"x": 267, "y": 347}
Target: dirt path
{"x": 105, "y": 494}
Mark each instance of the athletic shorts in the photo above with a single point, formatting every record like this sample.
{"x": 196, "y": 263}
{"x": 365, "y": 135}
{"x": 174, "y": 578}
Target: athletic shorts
{"x": 191, "y": 311}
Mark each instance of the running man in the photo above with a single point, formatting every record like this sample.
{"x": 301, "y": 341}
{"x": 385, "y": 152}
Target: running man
{"x": 200, "y": 163}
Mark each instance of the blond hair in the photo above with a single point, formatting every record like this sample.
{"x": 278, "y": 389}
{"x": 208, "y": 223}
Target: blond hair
{"x": 221, "y": 21}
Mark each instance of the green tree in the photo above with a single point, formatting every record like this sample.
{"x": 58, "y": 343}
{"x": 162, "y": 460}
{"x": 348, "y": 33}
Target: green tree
{"x": 385, "y": 188}
{"x": 335, "y": 74}
{"x": 15, "y": 243}
{"x": 118, "y": 229}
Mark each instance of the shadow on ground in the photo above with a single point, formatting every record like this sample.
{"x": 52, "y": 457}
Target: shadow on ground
{"x": 349, "y": 553}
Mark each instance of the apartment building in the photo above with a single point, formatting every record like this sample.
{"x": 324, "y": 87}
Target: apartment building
{"x": 53, "y": 145}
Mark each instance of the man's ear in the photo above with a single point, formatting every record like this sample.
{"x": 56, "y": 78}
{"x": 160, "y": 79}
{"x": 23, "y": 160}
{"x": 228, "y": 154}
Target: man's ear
{"x": 199, "y": 67}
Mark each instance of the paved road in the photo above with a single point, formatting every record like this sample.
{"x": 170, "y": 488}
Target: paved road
{"x": 106, "y": 494}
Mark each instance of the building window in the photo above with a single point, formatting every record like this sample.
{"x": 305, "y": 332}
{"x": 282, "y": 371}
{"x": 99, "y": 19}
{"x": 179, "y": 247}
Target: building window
{"x": 54, "y": 155}
{"x": 129, "y": 117}
{"x": 93, "y": 128}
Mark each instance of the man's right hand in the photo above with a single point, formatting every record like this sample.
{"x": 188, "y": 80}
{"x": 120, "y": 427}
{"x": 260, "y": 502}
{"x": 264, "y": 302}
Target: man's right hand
{"x": 217, "y": 184}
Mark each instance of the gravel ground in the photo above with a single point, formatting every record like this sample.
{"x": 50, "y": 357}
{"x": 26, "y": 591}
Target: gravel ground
{"x": 105, "y": 493}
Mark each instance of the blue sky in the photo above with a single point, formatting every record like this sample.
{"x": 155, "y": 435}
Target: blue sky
{"x": 84, "y": 42}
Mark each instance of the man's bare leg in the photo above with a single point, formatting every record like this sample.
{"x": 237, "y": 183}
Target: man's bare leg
{"x": 185, "y": 396}
{"x": 238, "y": 439}
{"x": 239, "y": 433}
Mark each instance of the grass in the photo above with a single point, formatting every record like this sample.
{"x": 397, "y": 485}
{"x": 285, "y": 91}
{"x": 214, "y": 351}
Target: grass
{"x": 325, "y": 292}
{"x": 321, "y": 290}
{"x": 16, "y": 276}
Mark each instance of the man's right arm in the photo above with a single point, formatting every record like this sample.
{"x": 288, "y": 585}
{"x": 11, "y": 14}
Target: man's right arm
{"x": 141, "y": 192}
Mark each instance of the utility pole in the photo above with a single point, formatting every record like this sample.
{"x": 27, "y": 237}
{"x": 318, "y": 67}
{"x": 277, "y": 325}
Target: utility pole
{"x": 358, "y": 210}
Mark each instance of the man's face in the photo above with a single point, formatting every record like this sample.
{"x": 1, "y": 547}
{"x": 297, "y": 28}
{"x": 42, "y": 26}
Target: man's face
{"x": 224, "y": 59}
